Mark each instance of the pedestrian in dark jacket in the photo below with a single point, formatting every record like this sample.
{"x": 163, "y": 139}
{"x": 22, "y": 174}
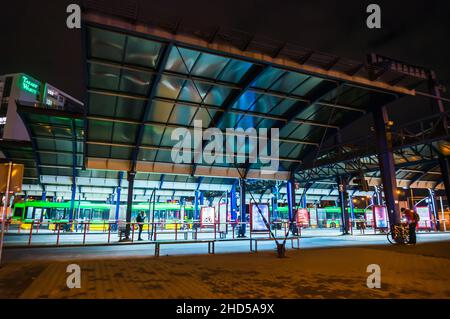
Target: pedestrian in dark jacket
{"x": 140, "y": 220}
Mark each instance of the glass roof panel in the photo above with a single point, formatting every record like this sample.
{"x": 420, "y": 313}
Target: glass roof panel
{"x": 265, "y": 103}
{"x": 164, "y": 156}
{"x": 124, "y": 133}
{"x": 121, "y": 152}
{"x": 103, "y": 105}
{"x": 176, "y": 64}
{"x": 130, "y": 108}
{"x": 103, "y": 77}
{"x": 194, "y": 92}
{"x": 142, "y": 52}
{"x": 289, "y": 82}
{"x": 205, "y": 116}
{"x": 235, "y": 71}
{"x": 100, "y": 130}
{"x": 135, "y": 82}
{"x": 147, "y": 155}
{"x": 182, "y": 114}
{"x": 169, "y": 87}
{"x": 209, "y": 65}
{"x": 246, "y": 100}
{"x": 217, "y": 95}
{"x": 160, "y": 111}
{"x": 307, "y": 86}
{"x": 152, "y": 135}
{"x": 283, "y": 107}
{"x": 106, "y": 45}
{"x": 102, "y": 151}
{"x": 269, "y": 76}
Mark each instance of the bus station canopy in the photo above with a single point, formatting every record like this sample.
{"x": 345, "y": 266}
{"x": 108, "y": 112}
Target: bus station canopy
{"x": 145, "y": 81}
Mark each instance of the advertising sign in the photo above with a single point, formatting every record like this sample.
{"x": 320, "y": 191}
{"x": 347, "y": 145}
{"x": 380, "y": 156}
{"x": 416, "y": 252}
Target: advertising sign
{"x": 369, "y": 217}
{"x": 380, "y": 216}
{"x": 424, "y": 214}
{"x": 207, "y": 216}
{"x": 256, "y": 221}
{"x": 223, "y": 213}
{"x": 303, "y": 217}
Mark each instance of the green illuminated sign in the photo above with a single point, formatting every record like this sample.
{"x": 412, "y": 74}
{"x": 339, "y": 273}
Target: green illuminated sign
{"x": 29, "y": 85}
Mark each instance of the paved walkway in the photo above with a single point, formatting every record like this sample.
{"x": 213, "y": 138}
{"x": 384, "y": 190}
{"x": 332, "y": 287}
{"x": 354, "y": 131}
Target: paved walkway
{"x": 421, "y": 271}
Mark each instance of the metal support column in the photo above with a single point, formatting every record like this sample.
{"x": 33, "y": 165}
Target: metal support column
{"x": 242, "y": 208}
{"x": 275, "y": 203}
{"x": 386, "y": 162}
{"x": 196, "y": 210}
{"x": 444, "y": 164}
{"x": 352, "y": 208}
{"x": 434, "y": 209}
{"x": 342, "y": 189}
{"x": 202, "y": 198}
{"x": 290, "y": 188}
{"x": 233, "y": 203}
{"x": 130, "y": 177}
{"x": 119, "y": 189}
{"x": 72, "y": 199}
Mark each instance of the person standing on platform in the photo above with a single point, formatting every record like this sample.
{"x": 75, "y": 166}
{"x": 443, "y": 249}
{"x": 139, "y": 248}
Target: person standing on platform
{"x": 140, "y": 220}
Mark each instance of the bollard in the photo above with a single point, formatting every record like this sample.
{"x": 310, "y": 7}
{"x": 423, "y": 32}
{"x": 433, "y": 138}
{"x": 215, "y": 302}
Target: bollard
{"x": 281, "y": 250}
{"x": 176, "y": 231}
{"x": 84, "y": 233}
{"x": 31, "y": 234}
{"x": 132, "y": 232}
{"x": 109, "y": 233}
{"x": 59, "y": 231}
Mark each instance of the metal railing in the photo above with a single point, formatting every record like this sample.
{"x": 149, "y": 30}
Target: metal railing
{"x": 109, "y": 232}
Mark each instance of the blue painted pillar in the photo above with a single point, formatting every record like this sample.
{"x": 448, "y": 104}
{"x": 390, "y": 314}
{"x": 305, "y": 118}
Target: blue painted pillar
{"x": 202, "y": 198}
{"x": 275, "y": 203}
{"x": 242, "y": 208}
{"x": 387, "y": 165}
{"x": 303, "y": 204}
{"x": 44, "y": 196}
{"x": 130, "y": 177}
{"x": 72, "y": 199}
{"x": 119, "y": 190}
{"x": 233, "y": 203}
{"x": 196, "y": 208}
{"x": 291, "y": 198}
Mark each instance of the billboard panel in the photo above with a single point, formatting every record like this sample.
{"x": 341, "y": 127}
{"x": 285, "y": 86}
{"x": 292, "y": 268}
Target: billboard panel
{"x": 425, "y": 217}
{"x": 380, "y": 217}
{"x": 256, "y": 221}
{"x": 207, "y": 216}
{"x": 302, "y": 217}
{"x": 223, "y": 217}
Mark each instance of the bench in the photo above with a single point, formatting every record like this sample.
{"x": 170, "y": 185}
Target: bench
{"x": 297, "y": 238}
{"x": 176, "y": 233}
{"x": 211, "y": 244}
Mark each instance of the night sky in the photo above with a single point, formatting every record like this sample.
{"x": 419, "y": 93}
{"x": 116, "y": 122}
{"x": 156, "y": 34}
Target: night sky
{"x": 34, "y": 38}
